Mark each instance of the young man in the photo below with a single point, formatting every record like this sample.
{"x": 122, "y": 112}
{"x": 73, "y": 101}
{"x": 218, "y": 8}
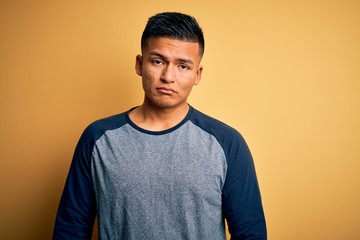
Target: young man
{"x": 162, "y": 170}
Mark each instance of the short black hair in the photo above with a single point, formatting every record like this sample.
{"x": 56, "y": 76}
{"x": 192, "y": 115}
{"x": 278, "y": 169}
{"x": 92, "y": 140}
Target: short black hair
{"x": 173, "y": 25}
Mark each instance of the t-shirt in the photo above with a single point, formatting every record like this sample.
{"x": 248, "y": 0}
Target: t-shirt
{"x": 175, "y": 184}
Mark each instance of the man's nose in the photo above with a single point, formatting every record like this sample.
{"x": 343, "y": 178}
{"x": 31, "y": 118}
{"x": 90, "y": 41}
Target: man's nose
{"x": 168, "y": 74}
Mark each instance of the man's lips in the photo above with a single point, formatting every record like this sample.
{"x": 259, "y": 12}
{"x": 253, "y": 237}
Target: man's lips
{"x": 165, "y": 90}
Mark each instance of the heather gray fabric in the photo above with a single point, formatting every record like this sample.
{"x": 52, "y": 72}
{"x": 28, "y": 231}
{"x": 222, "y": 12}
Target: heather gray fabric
{"x": 159, "y": 186}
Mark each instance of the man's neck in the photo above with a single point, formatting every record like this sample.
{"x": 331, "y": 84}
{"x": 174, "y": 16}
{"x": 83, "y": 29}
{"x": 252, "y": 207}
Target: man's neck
{"x": 158, "y": 119}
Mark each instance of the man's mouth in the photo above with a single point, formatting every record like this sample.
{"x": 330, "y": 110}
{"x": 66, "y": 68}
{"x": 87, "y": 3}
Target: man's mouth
{"x": 166, "y": 91}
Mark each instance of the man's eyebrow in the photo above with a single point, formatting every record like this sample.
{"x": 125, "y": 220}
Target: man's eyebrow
{"x": 183, "y": 60}
{"x": 157, "y": 54}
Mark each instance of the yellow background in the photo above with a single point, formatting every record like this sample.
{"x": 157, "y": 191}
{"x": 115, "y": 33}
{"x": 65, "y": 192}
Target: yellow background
{"x": 284, "y": 73}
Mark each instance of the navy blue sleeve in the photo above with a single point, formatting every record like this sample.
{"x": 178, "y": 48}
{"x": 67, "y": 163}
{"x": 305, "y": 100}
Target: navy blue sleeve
{"x": 77, "y": 209}
{"x": 242, "y": 206}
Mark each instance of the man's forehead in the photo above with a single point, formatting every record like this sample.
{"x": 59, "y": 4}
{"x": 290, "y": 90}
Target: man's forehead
{"x": 164, "y": 44}
{"x": 168, "y": 40}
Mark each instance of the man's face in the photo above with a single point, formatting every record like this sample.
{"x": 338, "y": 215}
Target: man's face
{"x": 169, "y": 69}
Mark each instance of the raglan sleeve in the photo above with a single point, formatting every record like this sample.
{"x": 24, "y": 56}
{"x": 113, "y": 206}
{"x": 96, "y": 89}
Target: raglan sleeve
{"x": 242, "y": 205}
{"x": 77, "y": 209}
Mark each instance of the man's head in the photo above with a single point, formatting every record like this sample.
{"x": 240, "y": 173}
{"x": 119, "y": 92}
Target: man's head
{"x": 172, "y": 45}
{"x": 173, "y": 25}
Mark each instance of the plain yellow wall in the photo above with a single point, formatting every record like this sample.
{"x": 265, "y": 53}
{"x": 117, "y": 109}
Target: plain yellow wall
{"x": 284, "y": 73}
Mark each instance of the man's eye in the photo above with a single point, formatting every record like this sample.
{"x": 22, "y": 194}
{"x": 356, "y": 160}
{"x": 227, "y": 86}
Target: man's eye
{"x": 157, "y": 62}
{"x": 184, "y": 67}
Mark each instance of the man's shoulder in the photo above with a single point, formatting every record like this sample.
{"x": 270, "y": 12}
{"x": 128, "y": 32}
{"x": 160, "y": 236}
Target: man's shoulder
{"x": 97, "y": 128}
{"x": 215, "y": 127}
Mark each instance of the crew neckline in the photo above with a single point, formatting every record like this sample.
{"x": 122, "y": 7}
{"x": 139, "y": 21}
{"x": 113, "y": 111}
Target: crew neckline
{"x": 143, "y": 130}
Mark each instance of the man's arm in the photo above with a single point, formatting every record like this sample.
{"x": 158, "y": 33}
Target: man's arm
{"x": 77, "y": 209}
{"x": 242, "y": 206}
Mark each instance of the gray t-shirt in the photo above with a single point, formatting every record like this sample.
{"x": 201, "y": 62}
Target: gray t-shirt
{"x": 175, "y": 184}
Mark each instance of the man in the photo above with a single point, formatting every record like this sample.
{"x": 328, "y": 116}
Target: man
{"x": 162, "y": 170}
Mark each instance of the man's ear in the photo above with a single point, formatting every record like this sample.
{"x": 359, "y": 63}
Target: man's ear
{"x": 198, "y": 75}
{"x": 138, "y": 65}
